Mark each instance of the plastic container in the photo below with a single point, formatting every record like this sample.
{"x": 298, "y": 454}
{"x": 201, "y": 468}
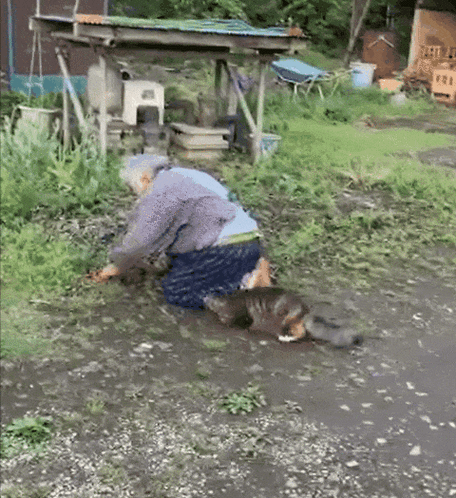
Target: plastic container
{"x": 362, "y": 74}
{"x": 269, "y": 143}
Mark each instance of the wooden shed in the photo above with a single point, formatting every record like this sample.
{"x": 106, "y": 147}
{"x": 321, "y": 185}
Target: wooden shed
{"x": 223, "y": 41}
{"x": 382, "y": 49}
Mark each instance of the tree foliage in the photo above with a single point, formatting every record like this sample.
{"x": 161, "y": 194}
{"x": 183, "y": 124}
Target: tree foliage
{"x": 325, "y": 22}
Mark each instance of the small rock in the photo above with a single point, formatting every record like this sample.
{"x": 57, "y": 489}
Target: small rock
{"x": 107, "y": 319}
{"x": 291, "y": 483}
{"x": 164, "y": 346}
{"x": 254, "y": 369}
{"x": 398, "y": 99}
{"x": 381, "y": 440}
{"x": 352, "y": 464}
{"x": 345, "y": 407}
{"x": 415, "y": 451}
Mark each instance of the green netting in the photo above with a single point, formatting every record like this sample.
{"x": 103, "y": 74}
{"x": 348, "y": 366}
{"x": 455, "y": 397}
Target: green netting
{"x": 219, "y": 26}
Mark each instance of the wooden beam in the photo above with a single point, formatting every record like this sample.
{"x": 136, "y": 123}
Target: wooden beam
{"x": 219, "y": 107}
{"x": 66, "y": 110}
{"x": 260, "y": 107}
{"x": 103, "y": 116}
{"x": 73, "y": 94}
{"x": 242, "y": 101}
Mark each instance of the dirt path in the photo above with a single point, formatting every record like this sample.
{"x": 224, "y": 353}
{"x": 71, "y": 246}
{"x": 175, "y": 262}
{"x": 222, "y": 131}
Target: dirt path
{"x": 135, "y": 399}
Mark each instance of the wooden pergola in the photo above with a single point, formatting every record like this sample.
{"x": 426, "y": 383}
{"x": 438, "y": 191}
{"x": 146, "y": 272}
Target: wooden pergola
{"x": 226, "y": 42}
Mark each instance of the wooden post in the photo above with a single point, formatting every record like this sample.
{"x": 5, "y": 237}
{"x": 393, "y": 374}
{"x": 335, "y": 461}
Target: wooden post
{"x": 232, "y": 99}
{"x": 103, "y": 117}
{"x": 218, "y": 88}
{"x": 260, "y": 106}
{"x": 66, "y": 110}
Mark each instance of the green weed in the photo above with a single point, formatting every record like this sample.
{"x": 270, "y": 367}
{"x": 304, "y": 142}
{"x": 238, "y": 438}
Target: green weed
{"x": 244, "y": 401}
{"x": 111, "y": 474}
{"x": 26, "y": 434}
{"x": 215, "y": 345}
{"x": 95, "y": 405}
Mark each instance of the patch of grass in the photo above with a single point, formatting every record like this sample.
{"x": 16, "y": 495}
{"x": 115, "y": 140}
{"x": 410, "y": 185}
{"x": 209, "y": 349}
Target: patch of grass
{"x": 215, "y": 345}
{"x": 95, "y": 405}
{"x": 30, "y": 434}
{"x": 244, "y": 401}
{"x": 26, "y": 491}
{"x": 38, "y": 263}
{"x": 111, "y": 474}
{"x": 399, "y": 207}
{"x": 24, "y": 329}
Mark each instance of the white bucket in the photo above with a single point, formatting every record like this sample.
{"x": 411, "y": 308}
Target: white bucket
{"x": 42, "y": 117}
{"x": 362, "y": 74}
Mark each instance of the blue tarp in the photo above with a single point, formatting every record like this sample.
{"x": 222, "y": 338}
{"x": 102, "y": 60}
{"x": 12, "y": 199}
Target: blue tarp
{"x": 296, "y": 71}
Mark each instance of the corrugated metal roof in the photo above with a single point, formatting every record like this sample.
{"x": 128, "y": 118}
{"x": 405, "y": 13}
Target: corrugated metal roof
{"x": 217, "y": 26}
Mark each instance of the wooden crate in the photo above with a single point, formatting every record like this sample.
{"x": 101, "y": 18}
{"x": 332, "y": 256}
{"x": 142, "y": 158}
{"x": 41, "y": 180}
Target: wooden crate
{"x": 194, "y": 142}
{"x": 444, "y": 85}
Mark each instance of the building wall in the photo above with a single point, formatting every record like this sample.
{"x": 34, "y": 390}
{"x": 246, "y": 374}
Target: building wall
{"x": 432, "y": 28}
{"x": 22, "y": 39}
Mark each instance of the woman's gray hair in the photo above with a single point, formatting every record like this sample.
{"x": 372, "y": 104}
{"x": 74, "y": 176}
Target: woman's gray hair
{"x": 135, "y": 167}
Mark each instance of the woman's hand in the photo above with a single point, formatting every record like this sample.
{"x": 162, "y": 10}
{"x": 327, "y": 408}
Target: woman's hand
{"x": 102, "y": 276}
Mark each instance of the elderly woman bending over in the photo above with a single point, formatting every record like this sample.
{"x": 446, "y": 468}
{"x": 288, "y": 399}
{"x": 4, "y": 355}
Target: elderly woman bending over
{"x": 212, "y": 243}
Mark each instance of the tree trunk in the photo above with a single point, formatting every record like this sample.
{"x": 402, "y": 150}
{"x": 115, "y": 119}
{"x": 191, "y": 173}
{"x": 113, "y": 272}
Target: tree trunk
{"x": 356, "y": 23}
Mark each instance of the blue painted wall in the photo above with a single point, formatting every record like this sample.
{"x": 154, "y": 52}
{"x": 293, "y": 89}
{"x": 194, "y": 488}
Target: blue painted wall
{"x": 49, "y": 83}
